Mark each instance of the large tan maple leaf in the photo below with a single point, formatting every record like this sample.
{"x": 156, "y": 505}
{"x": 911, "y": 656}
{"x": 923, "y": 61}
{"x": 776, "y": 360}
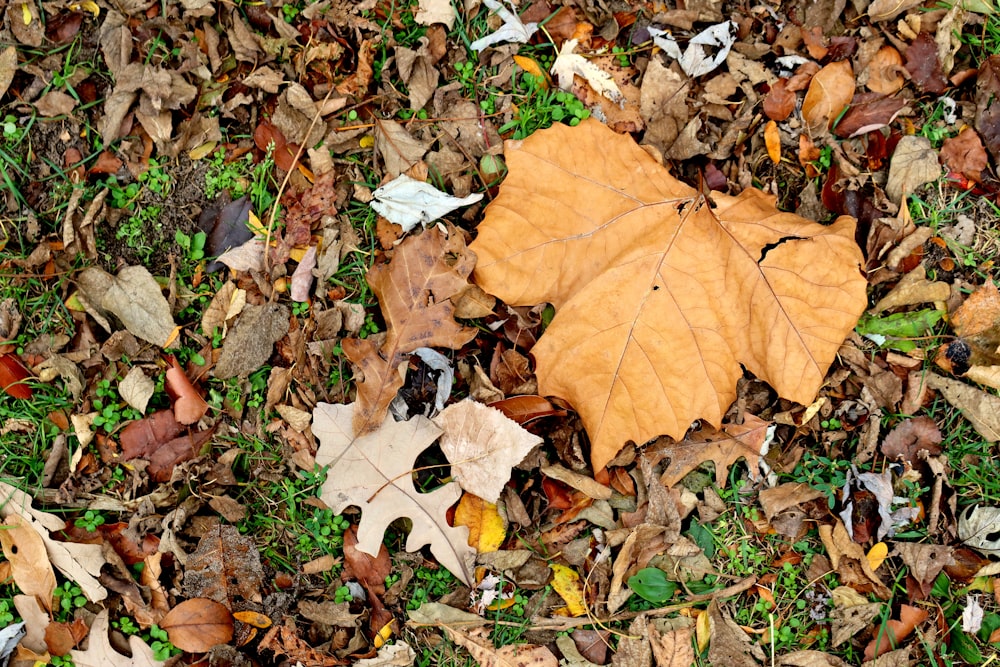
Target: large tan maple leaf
{"x": 660, "y": 295}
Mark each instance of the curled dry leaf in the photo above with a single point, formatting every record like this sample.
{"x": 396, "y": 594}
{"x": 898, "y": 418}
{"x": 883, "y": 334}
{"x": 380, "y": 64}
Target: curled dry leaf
{"x": 980, "y": 408}
{"x": 912, "y": 440}
{"x": 885, "y": 71}
{"x": 189, "y": 406}
{"x": 829, "y": 92}
{"x": 649, "y": 333}
{"x": 198, "y": 624}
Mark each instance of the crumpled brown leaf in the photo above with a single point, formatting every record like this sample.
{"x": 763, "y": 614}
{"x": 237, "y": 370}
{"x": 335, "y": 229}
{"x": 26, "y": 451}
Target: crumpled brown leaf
{"x": 649, "y": 333}
{"x": 414, "y": 292}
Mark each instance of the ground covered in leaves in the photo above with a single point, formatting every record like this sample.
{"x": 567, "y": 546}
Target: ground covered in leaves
{"x": 427, "y": 332}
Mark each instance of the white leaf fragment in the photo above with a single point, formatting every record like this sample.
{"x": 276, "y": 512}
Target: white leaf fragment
{"x": 512, "y": 30}
{"x": 706, "y": 50}
{"x": 409, "y": 202}
{"x": 972, "y": 615}
{"x": 568, "y": 64}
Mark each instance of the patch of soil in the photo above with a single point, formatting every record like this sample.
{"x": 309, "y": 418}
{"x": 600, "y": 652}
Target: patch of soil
{"x": 154, "y": 241}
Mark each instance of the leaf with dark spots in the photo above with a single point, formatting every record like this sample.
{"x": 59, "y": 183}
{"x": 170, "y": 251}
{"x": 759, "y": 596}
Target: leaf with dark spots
{"x": 868, "y": 112}
{"x": 924, "y": 66}
{"x": 225, "y": 224}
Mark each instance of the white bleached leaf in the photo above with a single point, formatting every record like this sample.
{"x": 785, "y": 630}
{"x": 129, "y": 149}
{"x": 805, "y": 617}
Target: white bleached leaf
{"x": 512, "y": 30}
{"x": 409, "y": 202}
{"x": 706, "y": 50}
{"x": 568, "y": 63}
{"x": 977, "y": 527}
{"x": 972, "y": 615}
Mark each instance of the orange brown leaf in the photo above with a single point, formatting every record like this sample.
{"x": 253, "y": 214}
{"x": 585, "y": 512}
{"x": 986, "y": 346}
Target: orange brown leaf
{"x": 660, "y": 295}
{"x": 414, "y": 291}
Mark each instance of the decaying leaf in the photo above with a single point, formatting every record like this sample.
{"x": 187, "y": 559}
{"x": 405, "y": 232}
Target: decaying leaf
{"x": 980, "y": 408}
{"x": 659, "y": 296}
{"x": 515, "y": 655}
{"x": 225, "y": 567}
{"x": 705, "y": 51}
{"x": 977, "y": 527}
{"x": 414, "y": 291}
{"x": 252, "y": 340}
{"x": 135, "y": 298}
{"x": 100, "y": 653}
{"x": 512, "y": 30}
{"x": 566, "y": 582}
{"x": 372, "y": 471}
{"x": 482, "y": 446}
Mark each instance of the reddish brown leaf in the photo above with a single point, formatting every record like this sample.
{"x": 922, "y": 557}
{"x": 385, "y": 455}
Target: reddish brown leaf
{"x": 61, "y": 29}
{"x": 178, "y": 450}
{"x": 911, "y": 438}
{"x": 60, "y": 638}
{"x": 524, "y": 409}
{"x": 12, "y": 376}
{"x": 923, "y": 65}
{"x": 142, "y": 437}
{"x": 284, "y": 152}
{"x": 895, "y": 631}
{"x": 106, "y": 163}
{"x": 72, "y": 163}
{"x": 868, "y": 112}
{"x": 965, "y": 154}
{"x": 189, "y": 406}
{"x": 780, "y": 102}
{"x": 198, "y": 624}
{"x": 370, "y": 571}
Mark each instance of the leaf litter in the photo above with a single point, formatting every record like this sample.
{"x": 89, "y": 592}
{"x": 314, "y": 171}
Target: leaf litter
{"x": 284, "y": 328}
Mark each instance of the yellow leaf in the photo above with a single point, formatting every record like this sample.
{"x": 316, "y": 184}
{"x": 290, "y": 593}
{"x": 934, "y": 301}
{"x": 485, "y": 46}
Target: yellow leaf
{"x": 566, "y": 582}
{"x": 26, "y": 13}
{"x": 254, "y": 618}
{"x": 703, "y": 631}
{"x": 531, "y": 66}
{"x": 661, "y": 298}
{"x": 383, "y": 635}
{"x": 877, "y": 555}
{"x": 772, "y": 139}
{"x": 202, "y": 151}
{"x": 366, "y": 141}
{"x": 86, "y": 6}
{"x": 487, "y": 529}
{"x": 254, "y": 225}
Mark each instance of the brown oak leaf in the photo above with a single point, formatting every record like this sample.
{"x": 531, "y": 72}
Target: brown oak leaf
{"x": 414, "y": 291}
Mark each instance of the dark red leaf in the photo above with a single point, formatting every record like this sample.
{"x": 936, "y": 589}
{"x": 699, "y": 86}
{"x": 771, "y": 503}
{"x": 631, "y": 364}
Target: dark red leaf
{"x": 868, "y": 112}
{"x": 12, "y": 376}
{"x": 141, "y": 437}
{"x": 923, "y": 65}
{"x": 178, "y": 450}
